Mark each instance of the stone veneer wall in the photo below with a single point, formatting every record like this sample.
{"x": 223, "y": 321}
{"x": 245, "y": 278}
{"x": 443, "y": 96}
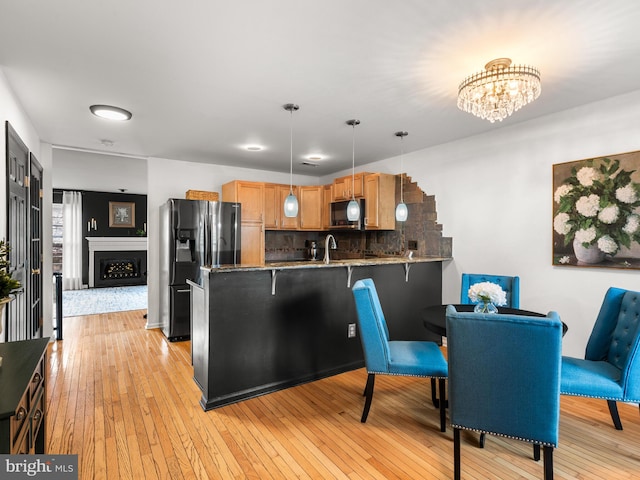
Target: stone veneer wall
{"x": 421, "y": 233}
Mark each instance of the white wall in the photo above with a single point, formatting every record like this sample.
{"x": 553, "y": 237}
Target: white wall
{"x": 77, "y": 170}
{"x": 171, "y": 179}
{"x": 494, "y": 198}
{"x": 11, "y": 110}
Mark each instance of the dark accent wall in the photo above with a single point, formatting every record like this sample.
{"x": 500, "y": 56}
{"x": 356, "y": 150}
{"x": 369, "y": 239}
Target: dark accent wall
{"x": 95, "y": 205}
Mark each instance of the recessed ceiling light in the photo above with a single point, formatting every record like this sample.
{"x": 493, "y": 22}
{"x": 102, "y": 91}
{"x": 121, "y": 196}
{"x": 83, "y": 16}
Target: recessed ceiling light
{"x": 315, "y": 158}
{"x": 110, "y": 113}
{"x": 254, "y": 148}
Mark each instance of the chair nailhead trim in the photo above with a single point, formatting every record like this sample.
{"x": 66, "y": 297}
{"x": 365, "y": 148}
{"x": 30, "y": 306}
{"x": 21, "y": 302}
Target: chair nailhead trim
{"x": 544, "y": 444}
{"x": 617, "y": 399}
{"x": 406, "y": 375}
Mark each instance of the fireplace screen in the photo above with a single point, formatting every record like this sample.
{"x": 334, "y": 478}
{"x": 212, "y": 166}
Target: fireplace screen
{"x": 111, "y": 268}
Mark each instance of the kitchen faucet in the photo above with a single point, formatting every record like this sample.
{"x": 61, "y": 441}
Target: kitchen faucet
{"x": 326, "y": 247}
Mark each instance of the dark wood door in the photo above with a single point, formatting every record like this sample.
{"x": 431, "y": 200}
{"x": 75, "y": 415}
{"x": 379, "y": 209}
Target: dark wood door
{"x": 35, "y": 247}
{"x": 18, "y": 326}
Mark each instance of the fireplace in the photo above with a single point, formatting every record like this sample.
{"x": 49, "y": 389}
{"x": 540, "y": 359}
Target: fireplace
{"x": 116, "y": 269}
{"x": 117, "y": 261}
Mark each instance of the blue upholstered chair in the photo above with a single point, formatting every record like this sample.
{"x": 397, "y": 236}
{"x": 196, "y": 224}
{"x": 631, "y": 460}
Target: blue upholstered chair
{"x": 611, "y": 367}
{"x": 504, "y": 378}
{"x": 394, "y": 357}
{"x": 510, "y": 285}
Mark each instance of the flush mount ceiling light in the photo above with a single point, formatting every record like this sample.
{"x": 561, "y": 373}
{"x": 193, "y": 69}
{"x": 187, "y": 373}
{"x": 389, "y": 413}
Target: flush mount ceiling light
{"x": 499, "y": 90}
{"x": 353, "y": 208}
{"x": 254, "y": 148}
{"x": 401, "y": 210}
{"x": 110, "y": 113}
{"x": 291, "y": 202}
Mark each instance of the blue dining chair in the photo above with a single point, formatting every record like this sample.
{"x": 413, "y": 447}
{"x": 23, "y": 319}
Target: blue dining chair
{"x": 514, "y": 390}
{"x": 394, "y": 357}
{"x": 610, "y": 369}
{"x": 510, "y": 285}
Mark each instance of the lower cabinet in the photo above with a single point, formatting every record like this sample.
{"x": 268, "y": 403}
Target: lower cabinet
{"x": 22, "y": 403}
{"x": 252, "y": 243}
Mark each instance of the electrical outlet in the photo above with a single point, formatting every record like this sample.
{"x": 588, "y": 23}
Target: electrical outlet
{"x": 351, "y": 332}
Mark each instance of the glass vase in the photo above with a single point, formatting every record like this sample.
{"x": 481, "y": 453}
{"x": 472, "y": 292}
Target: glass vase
{"x": 485, "y": 307}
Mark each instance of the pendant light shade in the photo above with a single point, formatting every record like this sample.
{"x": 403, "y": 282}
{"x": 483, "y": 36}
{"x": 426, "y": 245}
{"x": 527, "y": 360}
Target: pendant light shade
{"x": 291, "y": 205}
{"x": 353, "y": 207}
{"x": 291, "y": 202}
{"x": 402, "y": 213}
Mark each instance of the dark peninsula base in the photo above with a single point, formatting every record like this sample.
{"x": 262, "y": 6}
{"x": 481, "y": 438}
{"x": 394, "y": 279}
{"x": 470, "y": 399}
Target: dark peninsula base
{"x": 247, "y": 341}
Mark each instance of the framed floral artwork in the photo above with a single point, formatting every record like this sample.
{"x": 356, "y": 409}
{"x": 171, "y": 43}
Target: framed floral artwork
{"x": 596, "y": 212}
{"x": 122, "y": 214}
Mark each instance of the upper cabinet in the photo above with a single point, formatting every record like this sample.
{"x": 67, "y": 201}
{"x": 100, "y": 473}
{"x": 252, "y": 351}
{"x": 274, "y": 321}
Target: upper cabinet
{"x": 274, "y": 197}
{"x": 327, "y": 196}
{"x": 270, "y": 207}
{"x": 379, "y": 203}
{"x": 250, "y": 195}
{"x": 344, "y": 188}
{"x": 311, "y": 202}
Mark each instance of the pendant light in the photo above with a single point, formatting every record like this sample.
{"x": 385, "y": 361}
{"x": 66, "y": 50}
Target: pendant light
{"x": 401, "y": 210}
{"x": 291, "y": 202}
{"x": 353, "y": 207}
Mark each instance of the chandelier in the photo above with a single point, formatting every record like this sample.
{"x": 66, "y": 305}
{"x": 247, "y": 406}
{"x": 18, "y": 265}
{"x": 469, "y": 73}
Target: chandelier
{"x": 499, "y": 90}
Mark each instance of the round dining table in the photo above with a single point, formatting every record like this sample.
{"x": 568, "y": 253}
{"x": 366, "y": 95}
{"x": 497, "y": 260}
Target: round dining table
{"x": 435, "y": 316}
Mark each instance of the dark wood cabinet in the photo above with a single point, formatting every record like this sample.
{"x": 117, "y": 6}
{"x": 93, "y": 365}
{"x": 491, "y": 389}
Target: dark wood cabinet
{"x": 23, "y": 398}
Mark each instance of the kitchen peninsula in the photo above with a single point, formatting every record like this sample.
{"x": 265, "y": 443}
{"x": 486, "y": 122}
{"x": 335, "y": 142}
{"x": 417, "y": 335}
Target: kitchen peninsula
{"x": 258, "y": 329}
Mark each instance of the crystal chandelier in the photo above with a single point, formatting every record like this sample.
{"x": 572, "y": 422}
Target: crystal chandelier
{"x": 499, "y": 90}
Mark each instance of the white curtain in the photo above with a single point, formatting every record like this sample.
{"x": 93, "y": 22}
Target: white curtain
{"x": 71, "y": 240}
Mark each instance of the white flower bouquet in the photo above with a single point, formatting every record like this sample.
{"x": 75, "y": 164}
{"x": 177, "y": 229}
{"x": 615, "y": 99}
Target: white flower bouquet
{"x": 487, "y": 292}
{"x": 597, "y": 205}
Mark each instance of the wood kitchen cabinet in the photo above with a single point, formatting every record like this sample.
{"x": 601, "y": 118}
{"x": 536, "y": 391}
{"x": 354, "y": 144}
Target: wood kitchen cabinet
{"x": 327, "y": 197}
{"x": 379, "y": 201}
{"x": 23, "y": 397}
{"x": 270, "y": 207}
{"x": 344, "y": 186}
{"x": 274, "y": 197}
{"x": 311, "y": 200}
{"x": 250, "y": 195}
{"x": 252, "y": 243}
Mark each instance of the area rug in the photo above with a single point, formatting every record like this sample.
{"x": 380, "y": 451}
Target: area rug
{"x": 91, "y": 301}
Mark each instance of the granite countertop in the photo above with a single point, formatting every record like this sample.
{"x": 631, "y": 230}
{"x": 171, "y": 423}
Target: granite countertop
{"x": 354, "y": 262}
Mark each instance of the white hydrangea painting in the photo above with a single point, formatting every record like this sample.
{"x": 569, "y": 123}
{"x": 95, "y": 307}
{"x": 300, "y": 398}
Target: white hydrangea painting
{"x": 596, "y": 212}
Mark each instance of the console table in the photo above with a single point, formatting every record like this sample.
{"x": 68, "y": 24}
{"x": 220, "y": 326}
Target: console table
{"x": 23, "y": 398}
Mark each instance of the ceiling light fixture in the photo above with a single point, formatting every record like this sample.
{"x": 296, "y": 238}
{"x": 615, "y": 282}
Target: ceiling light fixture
{"x": 110, "y": 113}
{"x": 291, "y": 202}
{"x": 499, "y": 90}
{"x": 353, "y": 208}
{"x": 254, "y": 148}
{"x": 401, "y": 209}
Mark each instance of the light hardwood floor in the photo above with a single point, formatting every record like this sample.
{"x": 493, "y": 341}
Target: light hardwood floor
{"x": 123, "y": 399}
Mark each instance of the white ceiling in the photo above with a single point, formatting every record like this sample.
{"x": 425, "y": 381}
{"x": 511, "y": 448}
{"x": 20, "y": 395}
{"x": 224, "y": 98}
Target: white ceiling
{"x": 205, "y": 77}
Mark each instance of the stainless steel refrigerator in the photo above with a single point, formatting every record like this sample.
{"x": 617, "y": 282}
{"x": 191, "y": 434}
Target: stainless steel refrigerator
{"x": 194, "y": 233}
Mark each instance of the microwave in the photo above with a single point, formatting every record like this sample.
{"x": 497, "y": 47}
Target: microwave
{"x": 339, "y": 219}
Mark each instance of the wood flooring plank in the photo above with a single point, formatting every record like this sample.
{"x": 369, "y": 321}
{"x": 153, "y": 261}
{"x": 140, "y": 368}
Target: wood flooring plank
{"x": 123, "y": 398}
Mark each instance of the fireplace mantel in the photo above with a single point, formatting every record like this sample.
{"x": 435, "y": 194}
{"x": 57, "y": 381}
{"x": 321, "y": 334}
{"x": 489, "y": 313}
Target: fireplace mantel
{"x": 111, "y": 244}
